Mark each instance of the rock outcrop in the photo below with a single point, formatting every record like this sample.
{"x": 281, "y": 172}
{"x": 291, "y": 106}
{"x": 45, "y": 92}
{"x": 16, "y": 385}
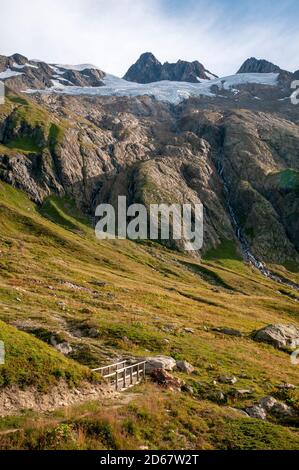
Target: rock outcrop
{"x": 241, "y": 164}
{"x": 148, "y": 69}
{"x": 279, "y": 336}
{"x": 254, "y": 65}
{"x": 19, "y": 73}
{"x": 159, "y": 363}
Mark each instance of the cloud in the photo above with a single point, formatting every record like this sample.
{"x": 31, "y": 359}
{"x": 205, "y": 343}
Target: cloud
{"x": 112, "y": 34}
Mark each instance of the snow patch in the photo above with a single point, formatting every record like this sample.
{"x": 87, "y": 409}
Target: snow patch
{"x": 9, "y": 74}
{"x": 77, "y": 68}
{"x": 56, "y": 70}
{"x": 17, "y": 66}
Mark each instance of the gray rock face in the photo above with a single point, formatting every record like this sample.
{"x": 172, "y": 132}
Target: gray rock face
{"x": 276, "y": 408}
{"x": 40, "y": 75}
{"x": 159, "y": 362}
{"x": 267, "y": 403}
{"x": 256, "y": 412}
{"x": 184, "y": 366}
{"x": 280, "y": 336}
{"x": 281, "y": 410}
{"x": 254, "y": 65}
{"x": 177, "y": 153}
{"x": 64, "y": 348}
{"x": 148, "y": 69}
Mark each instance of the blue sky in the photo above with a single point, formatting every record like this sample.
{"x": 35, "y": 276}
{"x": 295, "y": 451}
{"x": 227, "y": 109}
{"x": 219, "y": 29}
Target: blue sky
{"x": 113, "y": 33}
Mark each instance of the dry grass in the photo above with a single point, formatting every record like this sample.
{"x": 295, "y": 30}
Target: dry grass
{"x": 149, "y": 295}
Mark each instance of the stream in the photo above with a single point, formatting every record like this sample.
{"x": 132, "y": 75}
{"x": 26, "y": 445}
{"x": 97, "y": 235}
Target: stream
{"x": 246, "y": 252}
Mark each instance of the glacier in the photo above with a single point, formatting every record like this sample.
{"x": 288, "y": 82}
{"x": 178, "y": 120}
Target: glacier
{"x": 171, "y": 92}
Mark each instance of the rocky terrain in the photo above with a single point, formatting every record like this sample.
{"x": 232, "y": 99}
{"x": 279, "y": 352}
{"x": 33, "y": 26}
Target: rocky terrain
{"x": 254, "y": 65}
{"x": 217, "y": 329}
{"x": 148, "y": 69}
{"x": 237, "y": 155}
{"x": 21, "y": 74}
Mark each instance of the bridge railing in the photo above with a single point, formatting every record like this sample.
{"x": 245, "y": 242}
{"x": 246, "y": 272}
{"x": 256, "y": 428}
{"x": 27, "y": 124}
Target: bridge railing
{"x": 123, "y": 376}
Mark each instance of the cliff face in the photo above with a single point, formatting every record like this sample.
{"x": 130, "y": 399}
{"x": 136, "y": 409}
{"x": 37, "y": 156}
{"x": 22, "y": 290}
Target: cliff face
{"x": 148, "y": 69}
{"x": 254, "y": 65}
{"x": 240, "y": 163}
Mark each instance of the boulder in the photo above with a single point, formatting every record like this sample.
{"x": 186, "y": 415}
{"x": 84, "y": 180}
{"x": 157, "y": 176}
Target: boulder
{"x": 267, "y": 403}
{"x": 276, "y": 408}
{"x": 241, "y": 393}
{"x": 189, "y": 331}
{"x": 256, "y": 412}
{"x": 287, "y": 387}
{"x": 281, "y": 410}
{"x": 159, "y": 362}
{"x": 166, "y": 380}
{"x": 240, "y": 412}
{"x": 227, "y": 380}
{"x": 64, "y": 348}
{"x": 184, "y": 366}
{"x": 217, "y": 397}
{"x": 280, "y": 336}
{"x": 188, "y": 389}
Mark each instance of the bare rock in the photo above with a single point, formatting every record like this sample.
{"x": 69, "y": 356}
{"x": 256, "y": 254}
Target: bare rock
{"x": 256, "y": 412}
{"x": 280, "y": 336}
{"x": 184, "y": 366}
{"x": 159, "y": 362}
{"x": 227, "y": 380}
{"x": 64, "y": 348}
{"x": 281, "y": 410}
{"x": 287, "y": 387}
{"x": 217, "y": 397}
{"x": 166, "y": 380}
{"x": 267, "y": 403}
{"x": 188, "y": 389}
{"x": 241, "y": 393}
{"x": 190, "y": 331}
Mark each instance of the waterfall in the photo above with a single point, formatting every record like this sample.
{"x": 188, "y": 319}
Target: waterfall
{"x": 246, "y": 251}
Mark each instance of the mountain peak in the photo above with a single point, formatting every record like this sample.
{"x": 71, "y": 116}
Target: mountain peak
{"x": 254, "y": 65}
{"x": 148, "y": 69}
{"x": 148, "y": 56}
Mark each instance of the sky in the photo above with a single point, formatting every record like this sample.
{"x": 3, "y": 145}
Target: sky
{"x": 112, "y": 34}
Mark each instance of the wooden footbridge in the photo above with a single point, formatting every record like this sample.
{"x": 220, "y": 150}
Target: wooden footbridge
{"x": 123, "y": 375}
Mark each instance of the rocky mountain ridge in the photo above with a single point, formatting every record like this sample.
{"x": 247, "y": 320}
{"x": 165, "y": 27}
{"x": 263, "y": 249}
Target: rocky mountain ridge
{"x": 254, "y": 65}
{"x": 234, "y": 150}
{"x": 148, "y": 69}
{"x": 21, "y": 74}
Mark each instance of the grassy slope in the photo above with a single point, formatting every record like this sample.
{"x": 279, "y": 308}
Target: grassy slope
{"x": 29, "y": 361}
{"x": 37, "y": 128}
{"x": 146, "y": 289}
